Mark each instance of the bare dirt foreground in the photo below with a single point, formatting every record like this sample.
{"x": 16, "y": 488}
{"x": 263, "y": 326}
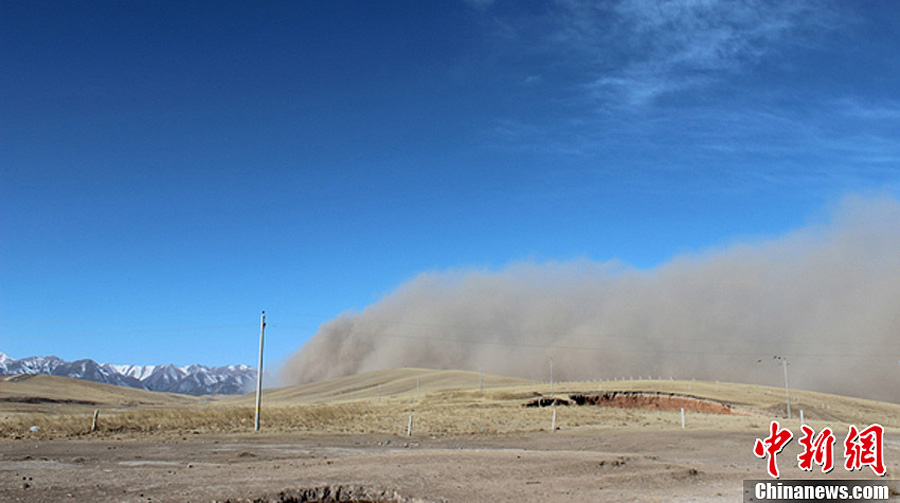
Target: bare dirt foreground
{"x": 343, "y": 440}
{"x": 579, "y": 465}
{"x": 542, "y": 466}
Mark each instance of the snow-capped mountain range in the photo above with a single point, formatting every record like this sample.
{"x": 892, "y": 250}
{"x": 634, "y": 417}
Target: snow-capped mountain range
{"x": 190, "y": 380}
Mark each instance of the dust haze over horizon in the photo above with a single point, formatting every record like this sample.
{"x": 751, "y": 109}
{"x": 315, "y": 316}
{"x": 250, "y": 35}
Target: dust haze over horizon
{"x": 825, "y": 297}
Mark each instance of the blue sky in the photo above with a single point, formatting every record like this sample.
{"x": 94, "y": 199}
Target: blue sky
{"x": 169, "y": 169}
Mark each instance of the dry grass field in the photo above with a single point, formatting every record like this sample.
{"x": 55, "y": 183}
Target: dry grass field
{"x": 441, "y": 402}
{"x": 460, "y": 421}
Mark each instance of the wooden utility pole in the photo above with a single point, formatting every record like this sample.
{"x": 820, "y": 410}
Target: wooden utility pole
{"x": 552, "y": 393}
{"x": 787, "y": 392}
{"x": 259, "y": 369}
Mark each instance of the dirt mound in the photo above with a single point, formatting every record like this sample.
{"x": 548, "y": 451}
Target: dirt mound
{"x": 40, "y": 399}
{"x": 652, "y": 401}
{"x": 547, "y": 402}
{"x": 331, "y": 494}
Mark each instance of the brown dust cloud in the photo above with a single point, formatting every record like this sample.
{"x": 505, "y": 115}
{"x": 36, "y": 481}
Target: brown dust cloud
{"x": 825, "y": 297}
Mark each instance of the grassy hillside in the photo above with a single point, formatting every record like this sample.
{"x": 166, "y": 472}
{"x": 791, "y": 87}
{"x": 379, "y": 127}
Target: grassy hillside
{"x": 382, "y": 384}
{"x": 53, "y": 394}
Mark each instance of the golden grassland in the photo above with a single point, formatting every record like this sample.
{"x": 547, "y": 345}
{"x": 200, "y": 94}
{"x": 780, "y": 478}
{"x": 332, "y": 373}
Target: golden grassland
{"x": 440, "y": 402}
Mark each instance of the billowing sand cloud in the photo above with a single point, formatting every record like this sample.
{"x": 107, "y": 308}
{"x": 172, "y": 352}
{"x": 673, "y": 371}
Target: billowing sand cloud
{"x": 826, "y": 297}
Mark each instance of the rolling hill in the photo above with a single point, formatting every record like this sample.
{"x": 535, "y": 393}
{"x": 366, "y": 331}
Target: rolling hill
{"x": 46, "y": 393}
{"x": 382, "y": 383}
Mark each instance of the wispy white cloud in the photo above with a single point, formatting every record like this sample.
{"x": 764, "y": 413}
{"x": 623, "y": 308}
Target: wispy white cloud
{"x": 648, "y": 88}
{"x": 869, "y": 109}
{"x": 640, "y": 50}
{"x": 744, "y": 148}
{"x": 638, "y": 86}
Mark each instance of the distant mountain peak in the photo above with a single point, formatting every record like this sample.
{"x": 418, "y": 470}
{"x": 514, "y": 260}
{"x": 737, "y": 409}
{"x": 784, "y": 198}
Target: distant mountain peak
{"x": 191, "y": 380}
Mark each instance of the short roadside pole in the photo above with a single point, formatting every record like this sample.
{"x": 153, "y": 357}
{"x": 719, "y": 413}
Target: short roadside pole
{"x": 94, "y": 421}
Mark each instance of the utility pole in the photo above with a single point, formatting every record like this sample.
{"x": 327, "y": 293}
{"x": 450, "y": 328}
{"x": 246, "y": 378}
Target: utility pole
{"x": 259, "y": 369}
{"x": 552, "y": 393}
{"x": 552, "y": 398}
{"x": 787, "y": 392}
